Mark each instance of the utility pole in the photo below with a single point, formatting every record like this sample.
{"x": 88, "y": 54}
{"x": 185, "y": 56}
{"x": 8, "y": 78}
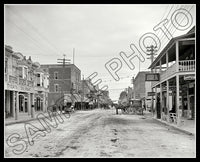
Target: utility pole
{"x": 63, "y": 62}
{"x": 152, "y": 49}
{"x": 82, "y": 98}
{"x": 133, "y": 87}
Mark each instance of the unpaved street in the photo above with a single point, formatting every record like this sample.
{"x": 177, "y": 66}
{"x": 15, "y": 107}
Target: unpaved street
{"x": 102, "y": 133}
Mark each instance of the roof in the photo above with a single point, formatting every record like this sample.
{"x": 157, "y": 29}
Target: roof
{"x": 58, "y": 65}
{"x": 173, "y": 40}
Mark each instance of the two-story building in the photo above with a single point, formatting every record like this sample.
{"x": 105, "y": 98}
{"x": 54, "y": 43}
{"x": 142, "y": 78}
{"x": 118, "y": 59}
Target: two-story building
{"x": 64, "y": 82}
{"x": 20, "y": 84}
{"x": 175, "y": 91}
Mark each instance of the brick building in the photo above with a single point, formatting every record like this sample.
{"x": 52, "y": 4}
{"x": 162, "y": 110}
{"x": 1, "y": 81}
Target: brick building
{"x": 63, "y": 80}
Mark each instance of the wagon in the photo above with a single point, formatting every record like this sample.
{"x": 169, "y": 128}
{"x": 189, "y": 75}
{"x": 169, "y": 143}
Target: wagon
{"x": 136, "y": 106}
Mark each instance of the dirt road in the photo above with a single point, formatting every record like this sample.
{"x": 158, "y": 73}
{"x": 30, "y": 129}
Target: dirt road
{"x": 102, "y": 133}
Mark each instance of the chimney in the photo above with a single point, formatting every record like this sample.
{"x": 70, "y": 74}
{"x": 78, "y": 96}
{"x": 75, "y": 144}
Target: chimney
{"x": 30, "y": 58}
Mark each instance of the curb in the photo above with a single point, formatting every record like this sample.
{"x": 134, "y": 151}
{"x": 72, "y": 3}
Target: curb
{"x": 23, "y": 121}
{"x": 174, "y": 127}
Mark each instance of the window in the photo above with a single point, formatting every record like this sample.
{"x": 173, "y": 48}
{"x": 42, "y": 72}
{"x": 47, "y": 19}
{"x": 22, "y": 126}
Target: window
{"x": 56, "y": 87}
{"x": 55, "y": 75}
{"x": 25, "y": 73}
{"x": 20, "y": 72}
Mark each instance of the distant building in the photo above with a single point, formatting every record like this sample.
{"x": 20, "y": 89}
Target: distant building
{"x": 141, "y": 88}
{"x": 26, "y": 85}
{"x": 63, "y": 81}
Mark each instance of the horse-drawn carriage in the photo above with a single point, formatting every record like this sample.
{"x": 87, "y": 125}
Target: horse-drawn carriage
{"x": 132, "y": 106}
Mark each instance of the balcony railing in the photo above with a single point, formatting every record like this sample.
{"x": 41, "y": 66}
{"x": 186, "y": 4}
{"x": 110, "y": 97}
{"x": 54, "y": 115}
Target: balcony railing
{"x": 22, "y": 81}
{"x": 184, "y": 66}
{"x": 16, "y": 80}
{"x": 13, "y": 79}
{"x": 187, "y": 65}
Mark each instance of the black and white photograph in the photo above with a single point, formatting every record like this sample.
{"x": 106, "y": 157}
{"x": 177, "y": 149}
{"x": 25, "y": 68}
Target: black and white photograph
{"x": 100, "y": 81}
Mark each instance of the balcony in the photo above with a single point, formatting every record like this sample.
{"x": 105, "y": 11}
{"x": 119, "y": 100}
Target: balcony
{"x": 184, "y": 66}
{"x": 187, "y": 65}
{"x": 13, "y": 79}
{"x": 16, "y": 80}
{"x": 22, "y": 81}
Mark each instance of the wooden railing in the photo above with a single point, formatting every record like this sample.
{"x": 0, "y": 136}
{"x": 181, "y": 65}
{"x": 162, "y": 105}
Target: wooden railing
{"x": 22, "y": 81}
{"x": 187, "y": 65}
{"x": 16, "y": 80}
{"x": 13, "y": 79}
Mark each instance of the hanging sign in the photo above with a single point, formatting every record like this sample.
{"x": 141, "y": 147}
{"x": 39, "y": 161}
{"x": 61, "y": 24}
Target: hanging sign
{"x": 151, "y": 93}
{"x": 152, "y": 77}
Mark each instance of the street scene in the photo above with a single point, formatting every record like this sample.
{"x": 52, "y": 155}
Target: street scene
{"x": 100, "y": 81}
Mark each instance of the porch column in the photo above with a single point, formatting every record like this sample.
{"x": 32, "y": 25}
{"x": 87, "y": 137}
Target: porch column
{"x": 167, "y": 104}
{"x": 13, "y": 104}
{"x": 161, "y": 103}
{"x": 29, "y": 104}
{"x": 188, "y": 98}
{"x": 152, "y": 103}
{"x": 44, "y": 103}
{"x": 177, "y": 98}
{"x": 8, "y": 101}
{"x": 17, "y": 105}
{"x": 32, "y": 106}
{"x": 177, "y": 56}
{"x": 167, "y": 58}
{"x": 160, "y": 66}
{"x": 156, "y": 101}
{"x": 24, "y": 103}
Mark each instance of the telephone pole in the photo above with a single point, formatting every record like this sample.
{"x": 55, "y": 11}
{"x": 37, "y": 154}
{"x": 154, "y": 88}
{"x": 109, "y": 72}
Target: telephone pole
{"x": 63, "y": 62}
{"x": 152, "y": 49}
{"x": 82, "y": 97}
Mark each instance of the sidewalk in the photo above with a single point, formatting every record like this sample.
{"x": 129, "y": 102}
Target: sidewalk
{"x": 186, "y": 126}
{"x": 23, "y": 117}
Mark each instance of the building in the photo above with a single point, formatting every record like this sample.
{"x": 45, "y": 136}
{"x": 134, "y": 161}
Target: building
{"x": 25, "y": 90}
{"x": 175, "y": 91}
{"x": 64, "y": 81}
{"x": 141, "y": 89}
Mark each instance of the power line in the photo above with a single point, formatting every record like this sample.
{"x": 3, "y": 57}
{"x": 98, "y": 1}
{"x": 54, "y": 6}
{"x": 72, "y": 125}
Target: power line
{"x": 36, "y": 31}
{"x": 33, "y": 40}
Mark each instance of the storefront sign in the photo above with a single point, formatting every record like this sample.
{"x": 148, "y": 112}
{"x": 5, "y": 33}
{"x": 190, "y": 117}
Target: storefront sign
{"x": 152, "y": 77}
{"x": 189, "y": 77}
{"x": 151, "y": 93}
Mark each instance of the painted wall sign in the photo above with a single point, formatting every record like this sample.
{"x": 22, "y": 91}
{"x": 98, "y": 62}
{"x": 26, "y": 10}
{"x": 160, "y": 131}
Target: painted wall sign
{"x": 152, "y": 77}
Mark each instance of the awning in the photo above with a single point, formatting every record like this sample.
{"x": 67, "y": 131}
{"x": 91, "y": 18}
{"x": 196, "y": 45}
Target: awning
{"x": 67, "y": 98}
{"x": 78, "y": 98}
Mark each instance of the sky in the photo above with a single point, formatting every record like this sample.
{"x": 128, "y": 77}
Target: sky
{"x": 97, "y": 33}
